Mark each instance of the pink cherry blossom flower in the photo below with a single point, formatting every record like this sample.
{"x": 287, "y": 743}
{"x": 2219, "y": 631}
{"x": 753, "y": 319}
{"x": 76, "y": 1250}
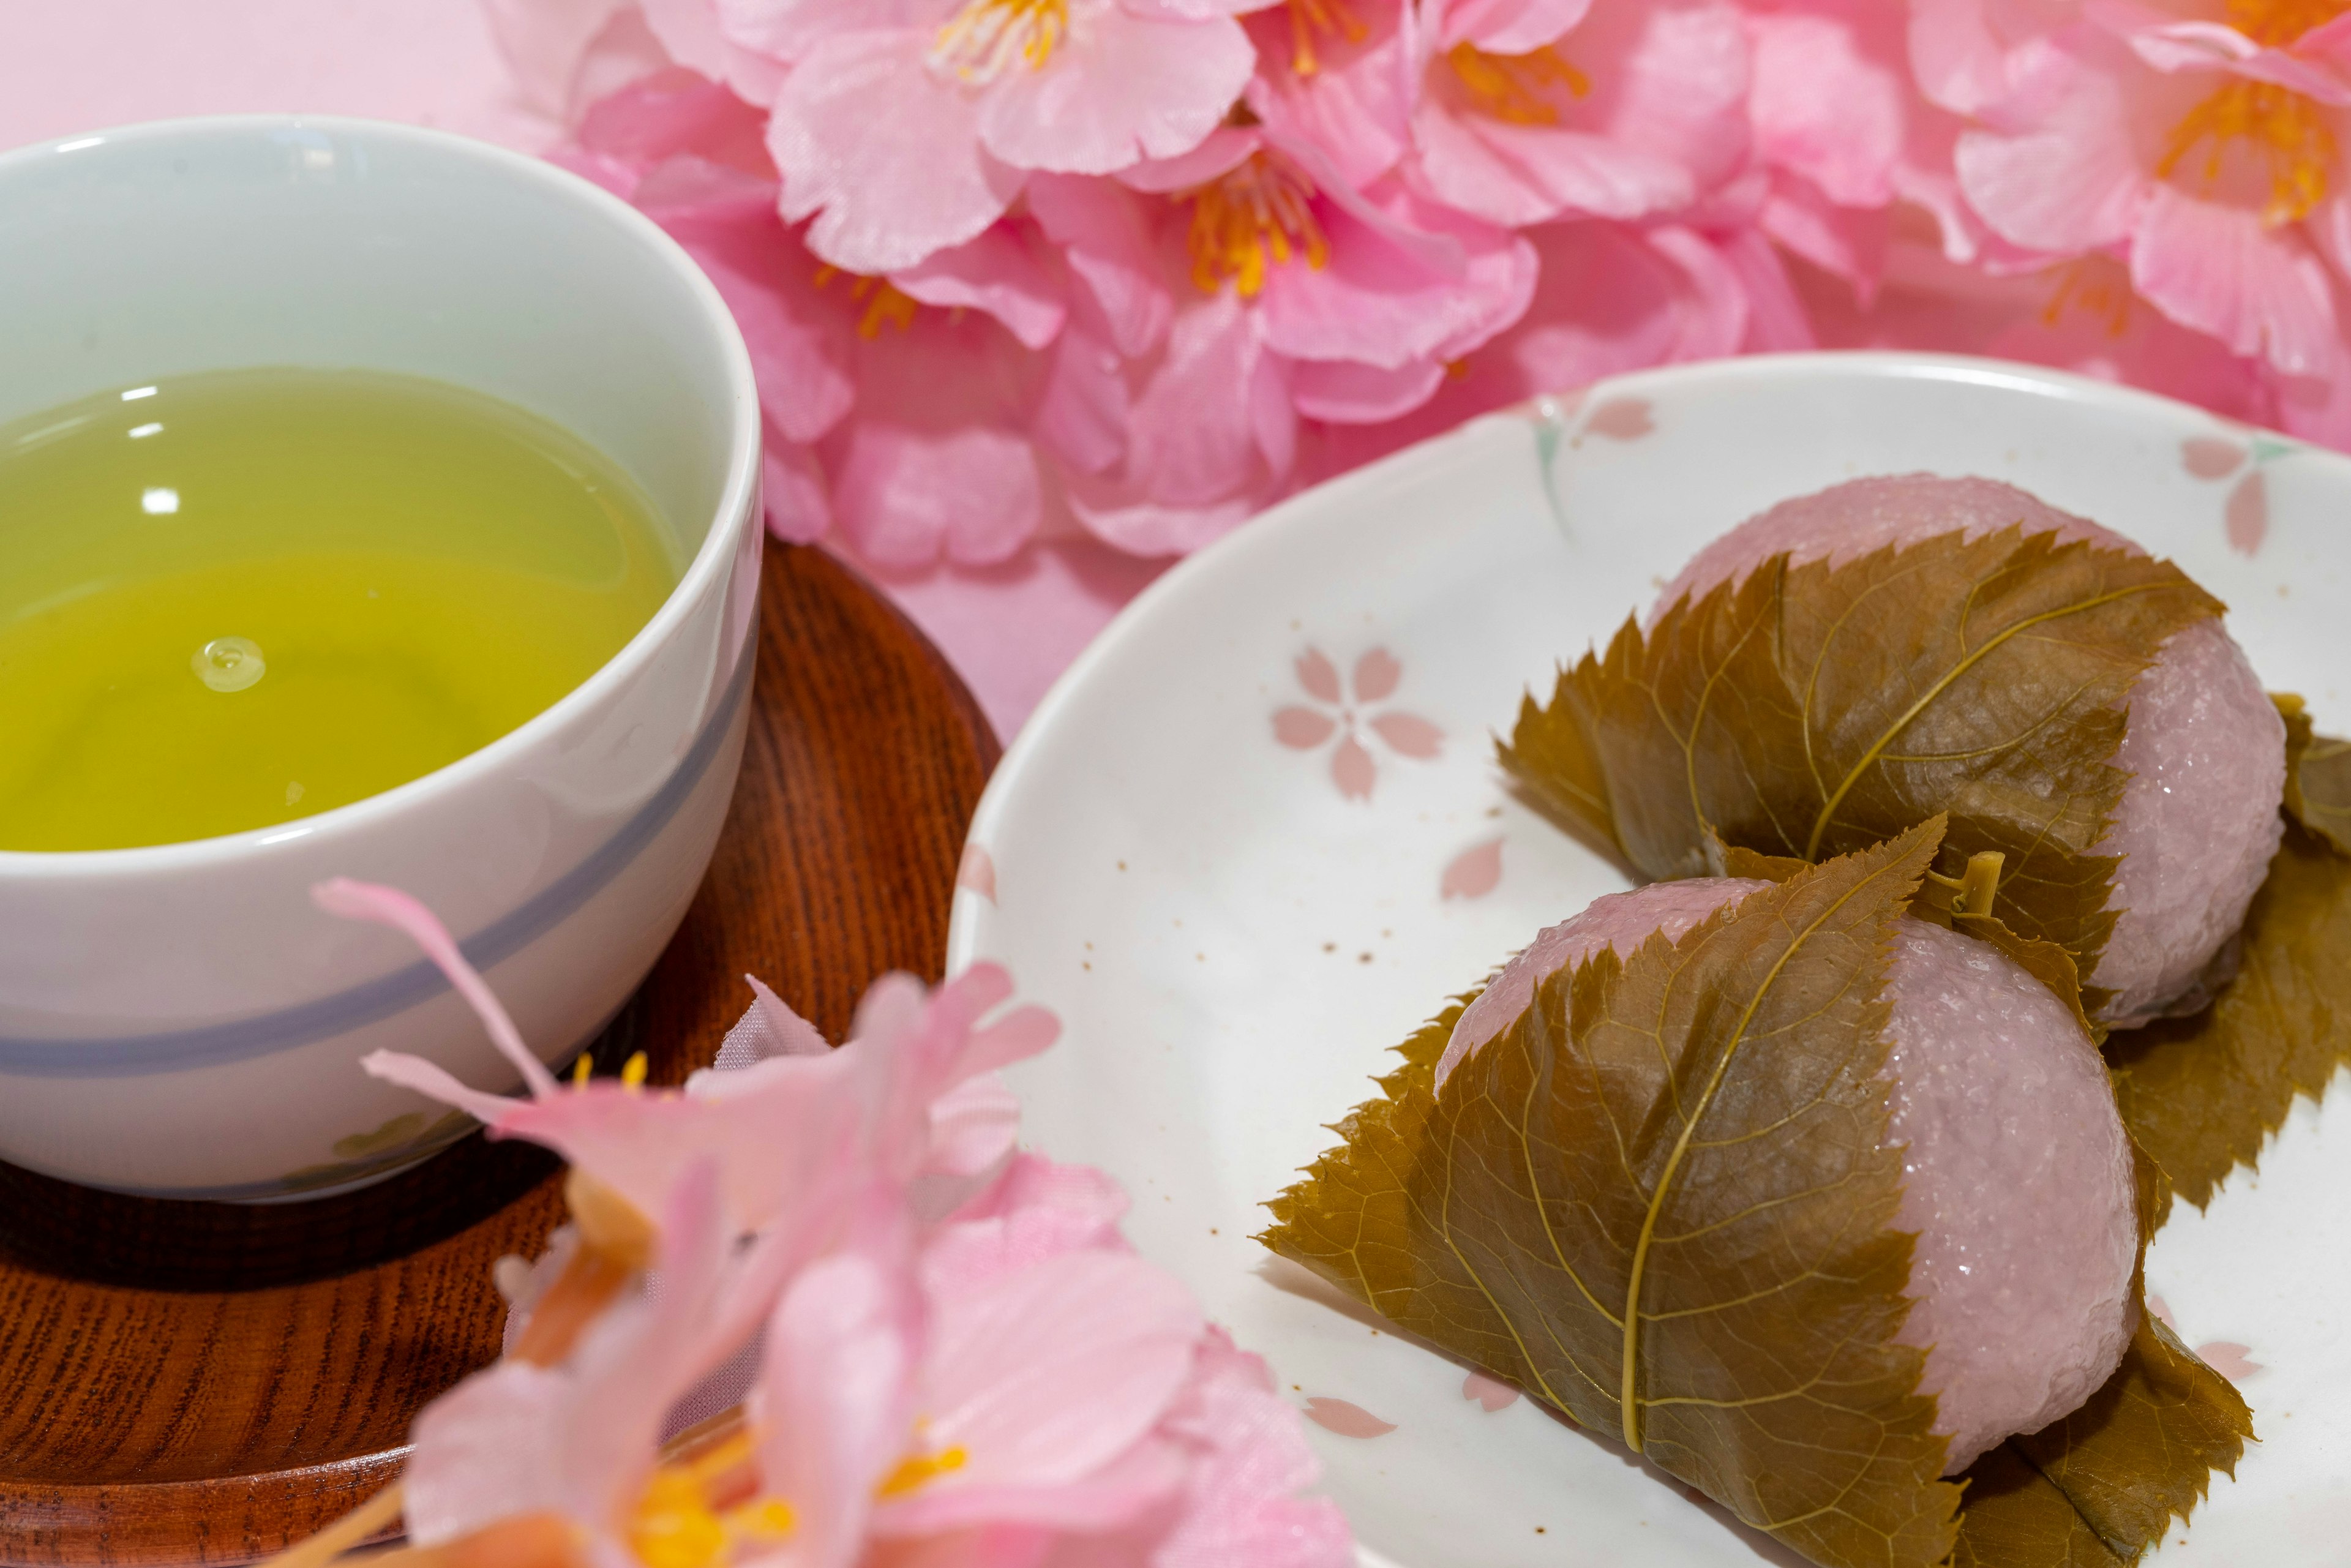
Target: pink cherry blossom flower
{"x": 911, "y": 1095}
{"x": 1231, "y": 293}
{"x": 1375, "y": 678}
{"x": 1531, "y": 110}
{"x": 907, "y": 128}
{"x": 902, "y": 409}
{"x": 2198, "y": 143}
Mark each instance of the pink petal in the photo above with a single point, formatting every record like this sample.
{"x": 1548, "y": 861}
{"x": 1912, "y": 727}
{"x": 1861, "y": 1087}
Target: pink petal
{"x": 1509, "y": 26}
{"x": 1474, "y": 872}
{"x": 1222, "y": 151}
{"x": 2210, "y": 456}
{"x": 1345, "y": 392}
{"x": 836, "y": 1398}
{"x": 1823, "y": 110}
{"x": 1352, "y": 770}
{"x": 997, "y": 272}
{"x": 1082, "y": 411}
{"x": 2222, "y": 270}
{"x": 886, "y": 188}
{"x": 800, "y": 342}
{"x": 1406, "y": 284}
{"x": 548, "y": 48}
{"x": 1848, "y": 243}
{"x": 434, "y": 1081}
{"x": 1303, "y": 728}
{"x": 389, "y": 906}
{"x": 2229, "y": 1359}
{"x": 2070, "y": 179}
{"x": 1408, "y": 734}
{"x": 1517, "y": 175}
{"x": 1376, "y": 675}
{"x": 1347, "y": 1419}
{"x": 1191, "y": 440}
{"x": 1241, "y": 1508}
{"x": 1035, "y": 1211}
{"x": 1492, "y": 1395}
{"x": 1119, "y": 88}
{"x": 1046, "y": 1375}
{"x": 1103, "y": 236}
{"x": 1622, "y": 419}
{"x": 1318, "y": 676}
{"x": 1355, "y": 105}
{"x": 792, "y": 484}
{"x": 977, "y": 871}
{"x": 904, "y": 497}
{"x": 2248, "y": 514}
{"x": 1777, "y": 320}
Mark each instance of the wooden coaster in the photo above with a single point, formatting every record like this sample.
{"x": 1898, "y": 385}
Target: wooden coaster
{"x": 187, "y": 1383}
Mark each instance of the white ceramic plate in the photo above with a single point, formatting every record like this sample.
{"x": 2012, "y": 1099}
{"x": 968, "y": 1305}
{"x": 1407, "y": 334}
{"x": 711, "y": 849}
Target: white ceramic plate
{"x": 1257, "y": 835}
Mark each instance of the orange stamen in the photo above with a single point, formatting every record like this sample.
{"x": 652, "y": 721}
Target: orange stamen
{"x": 1516, "y": 88}
{"x": 1309, "y": 18}
{"x": 2277, "y": 22}
{"x": 886, "y": 305}
{"x": 2093, "y": 284}
{"x": 1249, "y": 221}
{"x": 2287, "y": 131}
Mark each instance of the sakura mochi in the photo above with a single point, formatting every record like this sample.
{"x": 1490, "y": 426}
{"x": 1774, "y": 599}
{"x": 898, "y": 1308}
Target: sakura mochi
{"x": 2198, "y": 821}
{"x": 2017, "y": 1174}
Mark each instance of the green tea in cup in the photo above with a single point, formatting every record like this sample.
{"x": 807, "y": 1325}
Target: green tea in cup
{"x": 235, "y": 599}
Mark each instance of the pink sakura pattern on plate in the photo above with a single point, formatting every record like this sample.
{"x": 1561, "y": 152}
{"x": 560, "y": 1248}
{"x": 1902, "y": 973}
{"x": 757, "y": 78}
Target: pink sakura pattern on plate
{"x": 1489, "y": 1392}
{"x": 977, "y": 871}
{"x": 1474, "y": 872}
{"x": 2246, "y": 515}
{"x": 1374, "y": 680}
{"x": 2225, "y": 1357}
{"x": 1346, "y": 1417}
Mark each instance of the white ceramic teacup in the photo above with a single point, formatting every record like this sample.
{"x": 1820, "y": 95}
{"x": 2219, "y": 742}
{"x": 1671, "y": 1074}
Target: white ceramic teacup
{"x": 182, "y": 1021}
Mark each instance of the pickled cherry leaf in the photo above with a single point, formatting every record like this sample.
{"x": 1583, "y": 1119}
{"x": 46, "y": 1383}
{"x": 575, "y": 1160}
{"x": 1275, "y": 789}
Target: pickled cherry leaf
{"x": 1810, "y": 710}
{"x": 1661, "y": 1202}
{"x": 2102, "y": 1484}
{"x": 2317, "y": 775}
{"x": 2202, "y": 1093}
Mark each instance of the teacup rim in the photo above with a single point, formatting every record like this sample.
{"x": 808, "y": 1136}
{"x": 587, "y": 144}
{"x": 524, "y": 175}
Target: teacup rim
{"x": 719, "y": 541}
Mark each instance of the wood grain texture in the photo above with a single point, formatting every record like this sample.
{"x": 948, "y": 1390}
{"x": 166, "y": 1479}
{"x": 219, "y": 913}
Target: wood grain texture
{"x": 204, "y": 1383}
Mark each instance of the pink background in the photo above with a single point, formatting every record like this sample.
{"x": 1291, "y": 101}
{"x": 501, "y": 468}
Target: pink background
{"x": 82, "y": 65}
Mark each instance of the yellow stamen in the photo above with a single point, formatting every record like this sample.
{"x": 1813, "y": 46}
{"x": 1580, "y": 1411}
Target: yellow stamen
{"x": 917, "y": 1470}
{"x": 673, "y": 1527}
{"x": 696, "y": 1510}
{"x": 2097, "y": 285}
{"x": 1516, "y": 88}
{"x": 988, "y": 38}
{"x": 1249, "y": 221}
{"x": 581, "y": 1069}
{"x": 1309, "y": 18}
{"x": 2286, "y": 131}
{"x": 633, "y": 1072}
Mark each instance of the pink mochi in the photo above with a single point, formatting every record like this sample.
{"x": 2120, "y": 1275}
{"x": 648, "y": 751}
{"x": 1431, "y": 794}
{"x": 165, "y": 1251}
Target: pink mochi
{"x": 2206, "y": 750}
{"x": 2017, "y": 1174}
